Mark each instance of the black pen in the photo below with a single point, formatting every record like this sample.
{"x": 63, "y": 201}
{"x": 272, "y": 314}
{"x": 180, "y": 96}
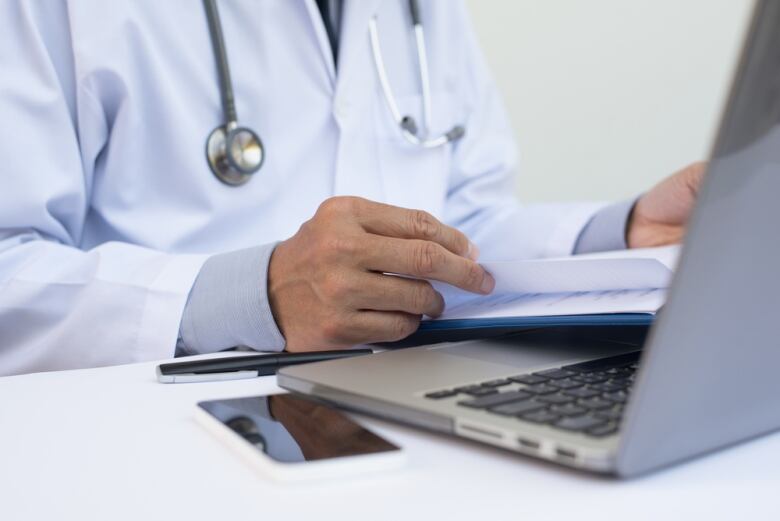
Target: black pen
{"x": 250, "y": 366}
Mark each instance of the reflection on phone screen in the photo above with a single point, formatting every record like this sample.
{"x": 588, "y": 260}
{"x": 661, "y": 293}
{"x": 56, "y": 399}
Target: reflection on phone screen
{"x": 291, "y": 429}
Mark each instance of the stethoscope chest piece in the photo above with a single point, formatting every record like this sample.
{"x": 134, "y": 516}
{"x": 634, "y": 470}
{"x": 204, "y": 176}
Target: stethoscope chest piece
{"x": 234, "y": 154}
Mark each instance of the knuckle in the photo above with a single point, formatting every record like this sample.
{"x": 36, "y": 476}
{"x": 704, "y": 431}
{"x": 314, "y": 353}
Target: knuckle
{"x": 461, "y": 243}
{"x": 339, "y": 206}
{"x": 428, "y": 257}
{"x": 420, "y": 298}
{"x": 401, "y": 326}
{"x": 423, "y": 224}
{"x": 473, "y": 275}
{"x": 333, "y": 330}
{"x": 342, "y": 245}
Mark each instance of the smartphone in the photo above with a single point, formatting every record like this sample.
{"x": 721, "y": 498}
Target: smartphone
{"x": 288, "y": 437}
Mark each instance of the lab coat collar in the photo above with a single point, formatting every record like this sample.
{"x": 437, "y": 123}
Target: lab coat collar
{"x": 354, "y": 34}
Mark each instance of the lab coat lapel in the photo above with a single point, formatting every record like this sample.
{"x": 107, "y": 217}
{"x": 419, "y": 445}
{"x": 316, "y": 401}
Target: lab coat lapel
{"x": 322, "y": 38}
{"x": 356, "y": 167}
{"x": 354, "y": 43}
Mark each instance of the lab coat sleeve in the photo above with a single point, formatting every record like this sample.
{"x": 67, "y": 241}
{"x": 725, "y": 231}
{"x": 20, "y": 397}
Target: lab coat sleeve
{"x": 481, "y": 197}
{"x": 61, "y": 307}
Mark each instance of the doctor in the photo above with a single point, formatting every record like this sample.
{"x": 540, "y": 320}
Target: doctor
{"x": 142, "y": 205}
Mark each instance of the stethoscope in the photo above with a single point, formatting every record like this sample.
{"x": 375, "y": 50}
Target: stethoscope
{"x": 235, "y": 153}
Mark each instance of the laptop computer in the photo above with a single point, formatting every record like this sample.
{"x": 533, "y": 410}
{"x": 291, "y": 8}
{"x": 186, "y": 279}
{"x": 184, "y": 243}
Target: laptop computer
{"x": 706, "y": 376}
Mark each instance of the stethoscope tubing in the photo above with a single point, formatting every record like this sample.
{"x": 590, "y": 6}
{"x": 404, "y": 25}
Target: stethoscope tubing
{"x": 408, "y": 126}
{"x": 235, "y": 153}
{"x": 223, "y": 67}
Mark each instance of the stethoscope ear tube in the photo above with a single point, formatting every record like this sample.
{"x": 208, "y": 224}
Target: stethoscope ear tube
{"x": 408, "y": 125}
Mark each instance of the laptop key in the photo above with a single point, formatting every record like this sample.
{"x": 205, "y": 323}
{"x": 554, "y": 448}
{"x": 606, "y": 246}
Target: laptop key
{"x": 465, "y": 388}
{"x": 555, "y": 374}
{"x": 541, "y": 416}
{"x": 481, "y": 391}
{"x": 555, "y": 399}
{"x": 594, "y": 378}
{"x": 568, "y": 409}
{"x": 610, "y": 414}
{"x": 603, "y": 430}
{"x": 528, "y": 379}
{"x": 497, "y": 383}
{"x": 492, "y": 400}
{"x": 596, "y": 403}
{"x": 603, "y": 364}
{"x": 582, "y": 392}
{"x": 566, "y": 383}
{"x": 541, "y": 389}
{"x": 518, "y": 408}
{"x": 579, "y": 423}
{"x": 438, "y": 395}
{"x": 609, "y": 386}
{"x": 617, "y": 396}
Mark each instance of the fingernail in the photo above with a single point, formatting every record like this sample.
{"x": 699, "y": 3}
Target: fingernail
{"x": 473, "y": 252}
{"x": 488, "y": 283}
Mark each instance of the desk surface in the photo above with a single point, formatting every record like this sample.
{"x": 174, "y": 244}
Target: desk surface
{"x": 113, "y": 444}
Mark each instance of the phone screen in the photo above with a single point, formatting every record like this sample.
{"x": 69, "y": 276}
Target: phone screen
{"x": 291, "y": 429}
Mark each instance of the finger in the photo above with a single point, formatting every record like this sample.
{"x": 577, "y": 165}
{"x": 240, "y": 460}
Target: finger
{"x": 425, "y": 260}
{"x": 402, "y": 223}
{"x": 379, "y": 326}
{"x": 694, "y": 174}
{"x": 391, "y": 293}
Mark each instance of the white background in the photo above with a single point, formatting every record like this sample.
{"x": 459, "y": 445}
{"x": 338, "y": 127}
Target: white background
{"x": 608, "y": 96}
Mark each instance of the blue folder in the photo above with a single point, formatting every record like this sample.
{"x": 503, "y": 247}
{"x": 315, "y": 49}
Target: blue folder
{"x": 608, "y": 319}
{"x": 452, "y": 330}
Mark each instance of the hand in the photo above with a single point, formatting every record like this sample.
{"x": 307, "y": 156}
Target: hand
{"x": 327, "y": 284}
{"x": 660, "y": 216}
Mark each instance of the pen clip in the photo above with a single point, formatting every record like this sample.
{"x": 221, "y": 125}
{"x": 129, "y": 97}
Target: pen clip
{"x": 204, "y": 377}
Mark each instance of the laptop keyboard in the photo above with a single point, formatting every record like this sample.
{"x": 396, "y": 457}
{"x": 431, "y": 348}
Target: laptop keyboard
{"x": 588, "y": 397}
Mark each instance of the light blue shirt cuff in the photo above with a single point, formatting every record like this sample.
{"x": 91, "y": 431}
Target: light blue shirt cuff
{"x": 228, "y": 305}
{"x": 606, "y": 231}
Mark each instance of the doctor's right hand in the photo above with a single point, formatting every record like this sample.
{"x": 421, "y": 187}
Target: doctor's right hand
{"x": 328, "y": 285}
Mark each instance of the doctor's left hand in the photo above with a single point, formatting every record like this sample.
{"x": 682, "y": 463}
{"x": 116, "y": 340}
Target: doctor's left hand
{"x": 660, "y": 216}
{"x": 328, "y": 285}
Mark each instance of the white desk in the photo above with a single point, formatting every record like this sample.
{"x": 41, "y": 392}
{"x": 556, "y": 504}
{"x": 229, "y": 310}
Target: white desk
{"x": 113, "y": 444}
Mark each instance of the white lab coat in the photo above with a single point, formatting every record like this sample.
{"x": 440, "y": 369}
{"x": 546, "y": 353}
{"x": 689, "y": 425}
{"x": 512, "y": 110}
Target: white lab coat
{"x": 108, "y": 208}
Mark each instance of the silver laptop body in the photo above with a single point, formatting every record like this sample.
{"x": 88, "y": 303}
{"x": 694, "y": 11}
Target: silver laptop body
{"x": 708, "y": 375}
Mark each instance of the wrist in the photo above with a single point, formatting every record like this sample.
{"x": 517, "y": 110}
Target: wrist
{"x": 642, "y": 232}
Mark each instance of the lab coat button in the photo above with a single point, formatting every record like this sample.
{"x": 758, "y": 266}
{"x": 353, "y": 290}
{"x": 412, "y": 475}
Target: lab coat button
{"x": 341, "y": 108}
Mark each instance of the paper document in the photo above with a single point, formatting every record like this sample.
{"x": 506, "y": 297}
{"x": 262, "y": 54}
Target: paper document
{"x": 627, "y": 281}
{"x": 629, "y": 269}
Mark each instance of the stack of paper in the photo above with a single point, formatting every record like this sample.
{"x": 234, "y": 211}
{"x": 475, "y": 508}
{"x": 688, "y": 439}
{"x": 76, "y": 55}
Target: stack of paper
{"x": 620, "y": 282}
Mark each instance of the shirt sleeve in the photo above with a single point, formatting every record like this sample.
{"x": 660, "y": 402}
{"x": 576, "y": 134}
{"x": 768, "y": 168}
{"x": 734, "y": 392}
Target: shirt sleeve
{"x": 228, "y": 305}
{"x": 606, "y": 231}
